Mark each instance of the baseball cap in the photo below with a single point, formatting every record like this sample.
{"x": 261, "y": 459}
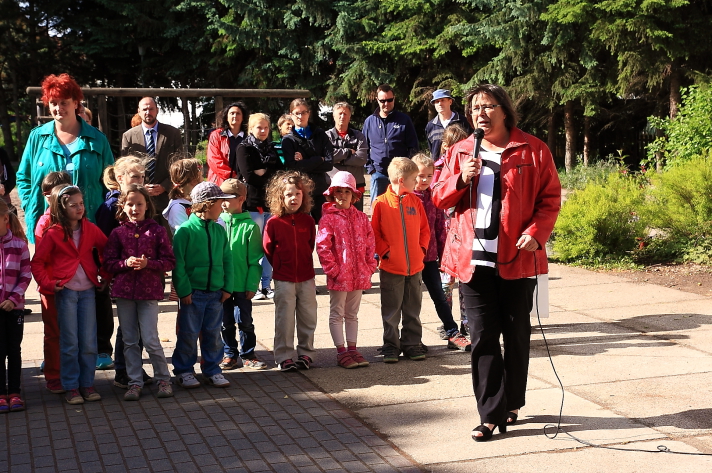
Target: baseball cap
{"x": 233, "y": 186}
{"x": 207, "y": 191}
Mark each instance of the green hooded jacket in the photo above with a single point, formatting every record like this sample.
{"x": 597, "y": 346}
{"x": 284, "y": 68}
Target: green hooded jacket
{"x": 203, "y": 257}
{"x": 245, "y": 240}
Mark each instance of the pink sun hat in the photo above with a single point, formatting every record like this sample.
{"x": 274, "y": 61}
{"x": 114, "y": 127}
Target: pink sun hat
{"x": 343, "y": 179}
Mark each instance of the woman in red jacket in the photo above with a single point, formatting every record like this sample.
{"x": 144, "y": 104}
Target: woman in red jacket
{"x": 222, "y": 143}
{"x": 506, "y": 202}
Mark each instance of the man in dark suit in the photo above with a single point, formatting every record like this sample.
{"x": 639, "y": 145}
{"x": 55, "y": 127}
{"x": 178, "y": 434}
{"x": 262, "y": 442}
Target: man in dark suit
{"x": 160, "y": 141}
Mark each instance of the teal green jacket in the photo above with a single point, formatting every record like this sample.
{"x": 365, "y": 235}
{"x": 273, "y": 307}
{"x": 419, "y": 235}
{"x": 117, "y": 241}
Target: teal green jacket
{"x": 203, "y": 257}
{"x": 246, "y": 245}
{"x": 43, "y": 154}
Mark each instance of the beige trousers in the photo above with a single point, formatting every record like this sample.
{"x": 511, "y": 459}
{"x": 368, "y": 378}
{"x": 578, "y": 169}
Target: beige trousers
{"x": 294, "y": 304}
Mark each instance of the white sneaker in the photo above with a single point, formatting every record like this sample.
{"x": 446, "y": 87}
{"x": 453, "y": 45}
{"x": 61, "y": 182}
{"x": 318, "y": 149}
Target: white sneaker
{"x": 259, "y": 295}
{"x": 269, "y": 293}
{"x": 188, "y": 380}
{"x": 218, "y": 380}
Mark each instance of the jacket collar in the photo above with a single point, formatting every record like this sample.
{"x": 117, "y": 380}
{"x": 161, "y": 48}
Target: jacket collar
{"x": 87, "y": 138}
{"x": 7, "y": 237}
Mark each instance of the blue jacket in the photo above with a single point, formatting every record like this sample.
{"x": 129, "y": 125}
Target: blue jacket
{"x": 106, "y": 213}
{"x": 43, "y": 154}
{"x": 389, "y": 138}
{"x": 434, "y": 131}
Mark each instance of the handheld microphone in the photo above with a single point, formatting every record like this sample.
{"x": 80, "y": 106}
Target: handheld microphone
{"x": 479, "y": 134}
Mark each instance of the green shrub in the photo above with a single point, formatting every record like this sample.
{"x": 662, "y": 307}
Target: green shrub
{"x": 600, "y": 223}
{"x": 690, "y": 133}
{"x": 201, "y": 151}
{"x": 580, "y": 176}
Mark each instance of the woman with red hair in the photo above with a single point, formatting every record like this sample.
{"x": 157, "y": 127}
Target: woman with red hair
{"x": 67, "y": 143}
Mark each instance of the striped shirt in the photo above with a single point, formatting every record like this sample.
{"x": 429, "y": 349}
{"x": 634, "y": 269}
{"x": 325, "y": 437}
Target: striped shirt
{"x": 489, "y": 204}
{"x": 15, "y": 273}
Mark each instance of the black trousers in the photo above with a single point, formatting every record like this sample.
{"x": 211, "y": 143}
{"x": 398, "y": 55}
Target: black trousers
{"x": 495, "y": 307}
{"x": 12, "y": 326}
{"x": 104, "y": 322}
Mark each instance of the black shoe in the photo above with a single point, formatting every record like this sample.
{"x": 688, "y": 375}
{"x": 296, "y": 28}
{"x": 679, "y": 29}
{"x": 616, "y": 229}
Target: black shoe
{"x": 486, "y": 432}
{"x": 27, "y": 311}
{"x": 121, "y": 380}
{"x": 465, "y": 330}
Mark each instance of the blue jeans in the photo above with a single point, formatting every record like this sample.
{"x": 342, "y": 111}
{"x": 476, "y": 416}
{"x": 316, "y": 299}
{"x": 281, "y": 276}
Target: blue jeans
{"x": 261, "y": 220}
{"x": 202, "y": 317}
{"x": 238, "y": 309}
{"x": 431, "y": 278}
{"x": 379, "y": 185}
{"x": 119, "y": 360}
{"x": 76, "y": 315}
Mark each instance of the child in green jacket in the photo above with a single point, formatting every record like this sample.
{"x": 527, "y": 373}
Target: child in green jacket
{"x": 245, "y": 241}
{"x": 203, "y": 278}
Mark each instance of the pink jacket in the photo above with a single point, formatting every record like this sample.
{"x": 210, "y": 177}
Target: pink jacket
{"x": 346, "y": 247}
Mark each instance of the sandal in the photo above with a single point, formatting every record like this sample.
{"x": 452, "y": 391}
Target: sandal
{"x": 16, "y": 403}
{"x": 486, "y": 432}
{"x": 3, "y": 405}
{"x": 511, "y": 418}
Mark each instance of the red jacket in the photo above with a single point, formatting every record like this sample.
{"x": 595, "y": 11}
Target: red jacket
{"x": 346, "y": 246}
{"x": 402, "y": 233}
{"x": 219, "y": 157}
{"x": 288, "y": 242}
{"x": 531, "y": 199}
{"x": 57, "y": 260}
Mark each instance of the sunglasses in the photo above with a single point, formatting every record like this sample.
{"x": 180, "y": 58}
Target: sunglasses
{"x": 387, "y": 100}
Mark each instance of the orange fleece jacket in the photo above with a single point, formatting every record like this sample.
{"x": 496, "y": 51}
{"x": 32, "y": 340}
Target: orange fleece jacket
{"x": 400, "y": 226}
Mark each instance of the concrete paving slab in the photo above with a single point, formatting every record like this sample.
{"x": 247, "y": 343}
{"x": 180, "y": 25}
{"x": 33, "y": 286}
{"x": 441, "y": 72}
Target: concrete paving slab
{"x": 590, "y": 460}
{"x": 450, "y": 422}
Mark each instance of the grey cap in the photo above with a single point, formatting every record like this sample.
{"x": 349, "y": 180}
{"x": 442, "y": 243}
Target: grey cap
{"x": 207, "y": 191}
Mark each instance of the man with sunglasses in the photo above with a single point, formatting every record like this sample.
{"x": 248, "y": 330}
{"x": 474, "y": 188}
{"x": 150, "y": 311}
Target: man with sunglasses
{"x": 389, "y": 134}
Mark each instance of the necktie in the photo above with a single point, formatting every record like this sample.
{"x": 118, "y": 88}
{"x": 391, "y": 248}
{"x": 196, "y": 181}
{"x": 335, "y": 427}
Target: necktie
{"x": 151, "y": 151}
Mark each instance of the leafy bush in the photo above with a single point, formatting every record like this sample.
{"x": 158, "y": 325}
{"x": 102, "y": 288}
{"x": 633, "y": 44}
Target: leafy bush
{"x": 600, "y": 223}
{"x": 580, "y": 176}
{"x": 690, "y": 133}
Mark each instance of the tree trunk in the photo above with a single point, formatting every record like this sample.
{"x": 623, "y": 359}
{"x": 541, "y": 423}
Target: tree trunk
{"x": 586, "y": 141}
{"x": 5, "y": 122}
{"x": 18, "y": 115}
{"x": 675, "y": 84}
{"x": 570, "y": 128}
{"x": 551, "y": 133}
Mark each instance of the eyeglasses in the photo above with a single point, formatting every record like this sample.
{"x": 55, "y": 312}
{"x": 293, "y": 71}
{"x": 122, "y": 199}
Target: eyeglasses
{"x": 484, "y": 108}
{"x": 299, "y": 114}
{"x": 387, "y": 100}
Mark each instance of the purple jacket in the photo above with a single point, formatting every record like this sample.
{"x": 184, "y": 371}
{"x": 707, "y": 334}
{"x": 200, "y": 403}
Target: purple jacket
{"x": 436, "y": 222}
{"x": 136, "y": 239}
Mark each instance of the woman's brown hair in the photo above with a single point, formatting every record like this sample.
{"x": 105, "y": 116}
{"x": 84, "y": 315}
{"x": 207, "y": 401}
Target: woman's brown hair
{"x": 275, "y": 191}
{"x": 14, "y": 222}
{"x": 182, "y": 173}
{"x": 500, "y": 95}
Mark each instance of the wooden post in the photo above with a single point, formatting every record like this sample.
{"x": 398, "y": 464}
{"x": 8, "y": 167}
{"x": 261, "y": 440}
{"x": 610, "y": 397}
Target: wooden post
{"x": 218, "y": 108}
{"x": 186, "y": 122}
{"x": 103, "y": 117}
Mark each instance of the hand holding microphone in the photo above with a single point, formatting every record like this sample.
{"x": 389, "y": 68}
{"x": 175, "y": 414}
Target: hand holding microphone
{"x": 470, "y": 167}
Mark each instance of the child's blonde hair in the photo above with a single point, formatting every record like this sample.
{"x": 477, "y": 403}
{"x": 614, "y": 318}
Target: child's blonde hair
{"x": 422, "y": 159}
{"x": 121, "y": 167}
{"x": 182, "y": 173}
{"x": 55, "y": 179}
{"x": 275, "y": 191}
{"x": 452, "y": 135}
{"x": 401, "y": 167}
{"x": 255, "y": 118}
{"x": 14, "y": 222}
{"x": 202, "y": 207}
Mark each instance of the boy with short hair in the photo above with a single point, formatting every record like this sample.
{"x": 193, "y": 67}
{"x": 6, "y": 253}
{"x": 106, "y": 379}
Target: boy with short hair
{"x": 402, "y": 236}
{"x": 431, "y": 270}
{"x": 245, "y": 240}
{"x": 203, "y": 277}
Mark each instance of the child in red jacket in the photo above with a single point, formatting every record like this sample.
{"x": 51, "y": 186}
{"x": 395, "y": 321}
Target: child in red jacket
{"x": 288, "y": 241}
{"x": 402, "y": 236}
{"x": 64, "y": 264}
{"x": 345, "y": 246}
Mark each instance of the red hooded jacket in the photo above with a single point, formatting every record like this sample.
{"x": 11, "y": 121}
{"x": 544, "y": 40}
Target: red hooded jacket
{"x": 531, "y": 199}
{"x": 288, "y": 242}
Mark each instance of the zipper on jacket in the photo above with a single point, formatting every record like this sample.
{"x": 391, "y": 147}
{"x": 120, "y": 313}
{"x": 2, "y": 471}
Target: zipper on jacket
{"x": 405, "y": 234}
{"x": 296, "y": 257}
{"x": 210, "y": 255}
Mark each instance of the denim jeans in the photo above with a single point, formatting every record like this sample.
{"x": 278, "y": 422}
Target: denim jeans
{"x": 76, "y": 314}
{"x": 379, "y": 185}
{"x": 261, "y": 220}
{"x": 119, "y": 360}
{"x": 238, "y": 309}
{"x": 202, "y": 317}
{"x": 431, "y": 278}
{"x": 139, "y": 320}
